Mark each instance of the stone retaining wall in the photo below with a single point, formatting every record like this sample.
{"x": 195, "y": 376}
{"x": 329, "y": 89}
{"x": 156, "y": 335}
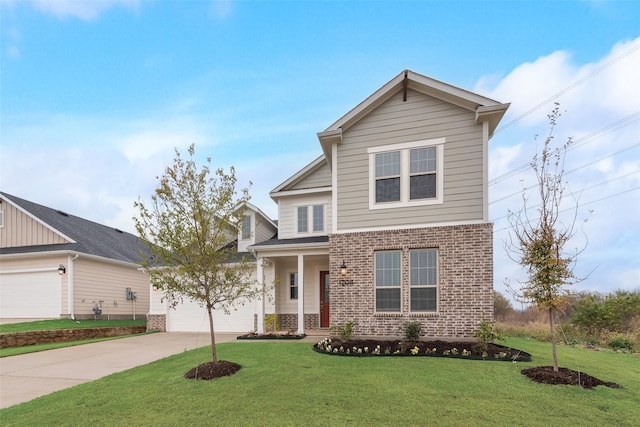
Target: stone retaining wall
{"x": 20, "y": 339}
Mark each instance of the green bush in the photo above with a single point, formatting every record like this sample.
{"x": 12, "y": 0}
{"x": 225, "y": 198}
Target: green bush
{"x": 412, "y": 331}
{"x": 344, "y": 331}
{"x": 271, "y": 323}
{"x": 486, "y": 333}
{"x": 621, "y": 343}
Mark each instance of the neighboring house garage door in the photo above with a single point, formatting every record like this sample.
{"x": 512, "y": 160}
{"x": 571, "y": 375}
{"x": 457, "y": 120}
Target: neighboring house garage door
{"x": 190, "y": 317}
{"x": 30, "y": 295}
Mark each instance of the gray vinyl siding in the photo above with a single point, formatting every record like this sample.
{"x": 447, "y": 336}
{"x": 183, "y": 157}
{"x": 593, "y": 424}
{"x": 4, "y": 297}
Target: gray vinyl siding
{"x": 287, "y": 211}
{"x": 264, "y": 231}
{"x": 420, "y": 118}
{"x": 321, "y": 177}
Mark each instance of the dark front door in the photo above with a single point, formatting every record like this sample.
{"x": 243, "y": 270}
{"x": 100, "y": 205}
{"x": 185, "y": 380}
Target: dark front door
{"x": 324, "y": 299}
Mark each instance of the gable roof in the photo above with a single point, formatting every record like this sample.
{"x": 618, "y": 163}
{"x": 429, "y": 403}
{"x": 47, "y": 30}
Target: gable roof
{"x": 299, "y": 176}
{"x": 84, "y": 236}
{"x": 486, "y": 109}
{"x": 258, "y": 211}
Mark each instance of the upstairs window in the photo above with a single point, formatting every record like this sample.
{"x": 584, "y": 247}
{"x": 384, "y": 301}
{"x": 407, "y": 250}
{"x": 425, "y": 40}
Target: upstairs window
{"x": 303, "y": 221}
{"x": 318, "y": 218}
{"x": 406, "y": 174}
{"x": 310, "y": 218}
{"x": 388, "y": 177}
{"x": 246, "y": 227}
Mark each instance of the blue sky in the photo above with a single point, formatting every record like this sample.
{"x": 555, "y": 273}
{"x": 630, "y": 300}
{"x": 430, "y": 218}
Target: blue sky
{"x": 95, "y": 96}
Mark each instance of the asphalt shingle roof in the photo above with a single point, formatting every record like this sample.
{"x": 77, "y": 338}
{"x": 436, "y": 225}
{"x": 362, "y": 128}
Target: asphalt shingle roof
{"x": 90, "y": 237}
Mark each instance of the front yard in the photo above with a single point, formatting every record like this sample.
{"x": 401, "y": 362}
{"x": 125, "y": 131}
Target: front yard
{"x": 286, "y": 383}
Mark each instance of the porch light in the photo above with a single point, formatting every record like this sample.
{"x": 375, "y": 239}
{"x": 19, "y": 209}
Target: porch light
{"x": 61, "y": 270}
{"x": 343, "y": 268}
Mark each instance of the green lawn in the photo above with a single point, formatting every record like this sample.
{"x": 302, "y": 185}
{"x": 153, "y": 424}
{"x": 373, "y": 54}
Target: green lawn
{"x": 46, "y": 325}
{"x": 285, "y": 383}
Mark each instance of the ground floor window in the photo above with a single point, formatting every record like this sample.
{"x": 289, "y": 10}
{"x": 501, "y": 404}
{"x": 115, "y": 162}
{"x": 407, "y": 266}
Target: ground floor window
{"x": 293, "y": 285}
{"x": 388, "y": 280}
{"x": 423, "y": 267}
{"x": 422, "y": 285}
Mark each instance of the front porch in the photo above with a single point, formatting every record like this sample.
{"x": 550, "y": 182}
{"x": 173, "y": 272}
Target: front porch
{"x": 295, "y": 279}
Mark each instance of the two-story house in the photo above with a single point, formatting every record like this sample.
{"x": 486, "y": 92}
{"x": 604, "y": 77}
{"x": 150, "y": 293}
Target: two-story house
{"x": 389, "y": 225}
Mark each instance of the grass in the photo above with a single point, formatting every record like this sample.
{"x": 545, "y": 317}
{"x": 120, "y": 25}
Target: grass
{"x": 285, "y": 383}
{"x": 46, "y": 325}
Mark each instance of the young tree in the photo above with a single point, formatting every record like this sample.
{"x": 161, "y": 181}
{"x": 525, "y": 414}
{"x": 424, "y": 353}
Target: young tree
{"x": 539, "y": 243}
{"x": 190, "y": 227}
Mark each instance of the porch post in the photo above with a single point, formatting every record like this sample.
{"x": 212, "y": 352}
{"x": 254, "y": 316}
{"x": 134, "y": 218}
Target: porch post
{"x": 260, "y": 314}
{"x": 300, "y": 294}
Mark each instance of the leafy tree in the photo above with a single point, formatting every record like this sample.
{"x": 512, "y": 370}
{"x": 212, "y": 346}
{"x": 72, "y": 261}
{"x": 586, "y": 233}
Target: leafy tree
{"x": 501, "y": 306}
{"x": 539, "y": 243}
{"x": 190, "y": 227}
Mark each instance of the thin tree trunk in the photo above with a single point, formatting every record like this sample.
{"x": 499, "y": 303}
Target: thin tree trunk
{"x": 214, "y": 355}
{"x": 553, "y": 340}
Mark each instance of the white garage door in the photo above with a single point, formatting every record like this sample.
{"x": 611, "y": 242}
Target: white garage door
{"x": 30, "y": 295}
{"x": 190, "y": 317}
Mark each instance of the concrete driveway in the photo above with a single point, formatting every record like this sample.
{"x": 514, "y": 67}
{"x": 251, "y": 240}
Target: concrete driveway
{"x": 28, "y": 376}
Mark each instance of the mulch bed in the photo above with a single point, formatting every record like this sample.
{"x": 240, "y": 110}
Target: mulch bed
{"x": 461, "y": 349}
{"x": 210, "y": 370}
{"x": 254, "y": 336}
{"x": 546, "y": 375}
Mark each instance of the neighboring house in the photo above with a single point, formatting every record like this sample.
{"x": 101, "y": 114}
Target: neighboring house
{"x": 56, "y": 265}
{"x": 389, "y": 225}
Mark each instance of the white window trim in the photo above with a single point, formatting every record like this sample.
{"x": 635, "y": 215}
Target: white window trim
{"x": 1, "y": 219}
{"x": 310, "y": 217}
{"x": 404, "y": 149}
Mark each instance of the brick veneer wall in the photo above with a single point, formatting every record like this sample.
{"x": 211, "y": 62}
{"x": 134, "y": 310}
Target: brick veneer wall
{"x": 156, "y": 322}
{"x": 289, "y": 322}
{"x": 465, "y": 279}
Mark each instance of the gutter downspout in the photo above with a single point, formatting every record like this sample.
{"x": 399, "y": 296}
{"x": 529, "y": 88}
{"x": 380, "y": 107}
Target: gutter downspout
{"x": 70, "y": 286}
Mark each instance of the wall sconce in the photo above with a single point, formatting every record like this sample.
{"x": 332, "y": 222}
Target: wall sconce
{"x": 61, "y": 270}
{"x": 343, "y": 272}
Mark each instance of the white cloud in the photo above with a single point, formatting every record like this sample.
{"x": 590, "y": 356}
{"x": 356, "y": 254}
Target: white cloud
{"x": 81, "y": 9}
{"x": 603, "y": 168}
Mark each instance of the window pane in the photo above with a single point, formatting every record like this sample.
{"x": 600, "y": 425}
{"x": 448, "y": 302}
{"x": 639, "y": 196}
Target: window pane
{"x": 318, "y": 218}
{"x": 246, "y": 227}
{"x": 423, "y": 267}
{"x": 423, "y": 160}
{"x": 423, "y": 299}
{"x": 422, "y": 186}
{"x": 302, "y": 219}
{"x": 388, "y": 164}
{"x": 293, "y": 285}
{"x": 388, "y": 268}
{"x": 388, "y": 190}
{"x": 388, "y": 299}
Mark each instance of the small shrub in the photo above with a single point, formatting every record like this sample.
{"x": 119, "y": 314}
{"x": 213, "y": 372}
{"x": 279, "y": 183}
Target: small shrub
{"x": 344, "y": 331}
{"x": 271, "y": 323}
{"x": 621, "y": 343}
{"x": 412, "y": 331}
{"x": 486, "y": 333}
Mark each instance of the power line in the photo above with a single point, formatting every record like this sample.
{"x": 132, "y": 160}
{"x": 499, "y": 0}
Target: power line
{"x": 575, "y": 84}
{"x": 581, "y": 204}
{"x": 620, "y": 123}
